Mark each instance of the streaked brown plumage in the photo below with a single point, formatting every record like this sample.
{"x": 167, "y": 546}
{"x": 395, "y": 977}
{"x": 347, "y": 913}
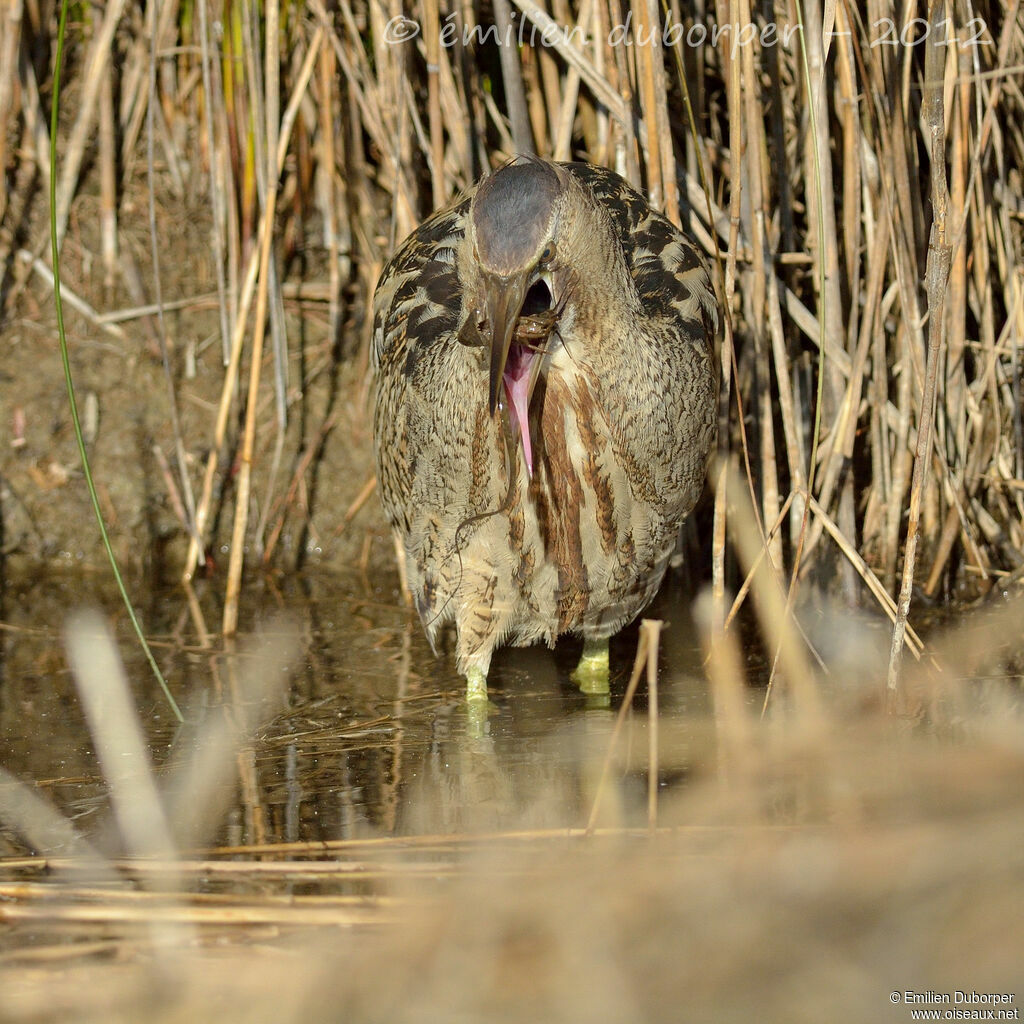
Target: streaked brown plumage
{"x": 544, "y": 407}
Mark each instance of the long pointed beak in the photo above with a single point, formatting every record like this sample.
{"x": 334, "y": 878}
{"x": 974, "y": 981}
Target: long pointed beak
{"x": 504, "y": 297}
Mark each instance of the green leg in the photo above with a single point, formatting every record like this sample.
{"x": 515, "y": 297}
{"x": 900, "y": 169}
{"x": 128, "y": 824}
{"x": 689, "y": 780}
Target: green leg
{"x": 478, "y": 707}
{"x": 476, "y": 684}
{"x": 591, "y": 674}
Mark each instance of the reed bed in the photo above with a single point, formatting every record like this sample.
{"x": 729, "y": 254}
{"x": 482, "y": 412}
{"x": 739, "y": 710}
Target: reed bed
{"x": 852, "y": 170}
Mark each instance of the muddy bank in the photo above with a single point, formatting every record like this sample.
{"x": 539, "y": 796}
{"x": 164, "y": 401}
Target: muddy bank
{"x": 124, "y": 398}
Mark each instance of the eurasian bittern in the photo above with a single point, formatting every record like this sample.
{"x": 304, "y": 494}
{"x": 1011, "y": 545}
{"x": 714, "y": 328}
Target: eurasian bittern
{"x": 545, "y": 407}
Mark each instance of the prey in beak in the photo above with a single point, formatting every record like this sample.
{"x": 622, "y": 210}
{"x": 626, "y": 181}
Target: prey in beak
{"x": 520, "y": 319}
{"x": 512, "y": 231}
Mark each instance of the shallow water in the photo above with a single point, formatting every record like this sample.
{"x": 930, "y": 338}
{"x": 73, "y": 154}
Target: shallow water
{"x": 820, "y": 869}
{"x": 369, "y": 734}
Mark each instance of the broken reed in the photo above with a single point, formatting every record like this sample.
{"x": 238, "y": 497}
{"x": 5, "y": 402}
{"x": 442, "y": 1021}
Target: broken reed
{"x": 805, "y": 173}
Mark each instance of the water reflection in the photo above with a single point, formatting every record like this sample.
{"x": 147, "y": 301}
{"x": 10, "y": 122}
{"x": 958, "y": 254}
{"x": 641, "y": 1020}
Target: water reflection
{"x": 370, "y": 735}
{"x": 871, "y": 850}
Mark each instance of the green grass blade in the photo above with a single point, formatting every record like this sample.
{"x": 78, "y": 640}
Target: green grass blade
{"x": 63, "y": 342}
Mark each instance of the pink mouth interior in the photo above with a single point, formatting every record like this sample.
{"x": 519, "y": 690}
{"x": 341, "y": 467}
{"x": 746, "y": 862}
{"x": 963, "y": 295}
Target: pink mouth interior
{"x": 516, "y": 379}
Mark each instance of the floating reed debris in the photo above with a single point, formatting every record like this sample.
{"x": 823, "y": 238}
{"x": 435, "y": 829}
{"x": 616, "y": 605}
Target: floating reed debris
{"x": 873, "y": 851}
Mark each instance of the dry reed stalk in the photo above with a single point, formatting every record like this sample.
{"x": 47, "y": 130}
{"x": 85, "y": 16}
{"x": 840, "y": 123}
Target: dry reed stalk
{"x": 957, "y": 101}
{"x": 624, "y": 146}
{"x": 132, "y": 101}
{"x": 235, "y": 906}
{"x": 256, "y": 269}
{"x": 200, "y": 870}
{"x": 432, "y": 41}
{"x": 459, "y": 112}
{"x": 185, "y": 483}
{"x": 327, "y": 186}
{"x": 937, "y": 275}
{"x": 44, "y": 828}
{"x": 196, "y": 616}
{"x": 773, "y": 606}
{"x": 262, "y": 95}
{"x": 754, "y": 150}
{"x": 70, "y": 297}
{"x": 728, "y": 354}
{"x": 215, "y": 167}
{"x": 120, "y": 747}
{"x": 10, "y": 43}
{"x": 476, "y": 840}
{"x": 734, "y": 725}
{"x": 282, "y": 137}
{"x": 653, "y": 628}
{"x": 838, "y": 447}
{"x": 551, "y": 81}
{"x": 108, "y": 180}
{"x": 562, "y": 141}
{"x": 644, "y": 652}
{"x": 886, "y": 602}
{"x": 100, "y": 49}
{"x": 597, "y": 83}
{"x": 203, "y": 507}
{"x": 357, "y": 503}
{"x": 645, "y": 57}
{"x": 763, "y": 555}
{"x": 822, "y": 236}
{"x": 281, "y": 506}
{"x": 171, "y": 486}
{"x": 36, "y": 121}
{"x": 511, "y": 71}
{"x": 176, "y": 914}
{"x": 720, "y": 483}
{"x": 191, "y": 302}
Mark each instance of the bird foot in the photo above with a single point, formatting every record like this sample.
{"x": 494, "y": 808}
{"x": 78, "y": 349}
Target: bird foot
{"x": 591, "y": 674}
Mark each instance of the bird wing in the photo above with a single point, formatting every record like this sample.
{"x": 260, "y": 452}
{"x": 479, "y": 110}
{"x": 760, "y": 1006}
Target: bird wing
{"x": 417, "y": 304}
{"x": 668, "y": 270}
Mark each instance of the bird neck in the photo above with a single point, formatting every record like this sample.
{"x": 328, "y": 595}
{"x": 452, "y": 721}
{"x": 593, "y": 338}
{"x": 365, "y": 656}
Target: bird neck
{"x": 601, "y": 292}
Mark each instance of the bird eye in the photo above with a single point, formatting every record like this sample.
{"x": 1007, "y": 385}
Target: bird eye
{"x": 548, "y": 254}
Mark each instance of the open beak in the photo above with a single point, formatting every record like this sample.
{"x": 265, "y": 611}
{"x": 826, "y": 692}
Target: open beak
{"x": 514, "y": 371}
{"x": 504, "y": 297}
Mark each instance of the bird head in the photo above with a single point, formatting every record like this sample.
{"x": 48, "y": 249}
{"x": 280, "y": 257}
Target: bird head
{"x": 513, "y": 227}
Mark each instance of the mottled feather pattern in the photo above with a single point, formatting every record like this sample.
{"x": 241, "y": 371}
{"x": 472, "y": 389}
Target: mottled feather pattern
{"x": 666, "y": 267}
{"x": 624, "y": 417}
